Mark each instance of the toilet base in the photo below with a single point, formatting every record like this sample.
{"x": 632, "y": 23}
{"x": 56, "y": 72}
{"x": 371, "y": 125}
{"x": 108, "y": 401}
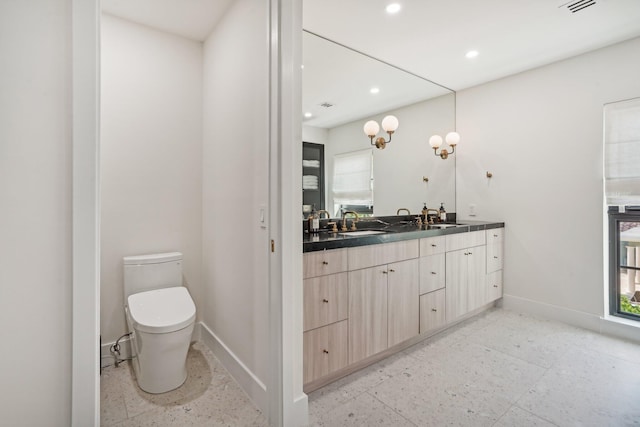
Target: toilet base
{"x": 160, "y": 360}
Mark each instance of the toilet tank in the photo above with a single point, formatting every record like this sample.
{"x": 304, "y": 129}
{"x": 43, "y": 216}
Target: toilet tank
{"x": 154, "y": 271}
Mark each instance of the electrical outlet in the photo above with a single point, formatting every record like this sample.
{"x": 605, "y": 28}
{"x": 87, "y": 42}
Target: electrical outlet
{"x": 472, "y": 209}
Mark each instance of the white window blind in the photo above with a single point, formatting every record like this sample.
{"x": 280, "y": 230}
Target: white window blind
{"x": 622, "y": 152}
{"x": 352, "y": 178}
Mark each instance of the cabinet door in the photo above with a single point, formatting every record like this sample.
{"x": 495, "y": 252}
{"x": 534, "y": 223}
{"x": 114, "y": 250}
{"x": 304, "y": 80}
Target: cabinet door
{"x": 477, "y": 277}
{"x": 432, "y": 273}
{"x": 403, "y": 301}
{"x": 325, "y": 350}
{"x": 432, "y": 311}
{"x": 325, "y": 300}
{"x": 494, "y": 286}
{"x": 457, "y": 284}
{"x": 367, "y": 312}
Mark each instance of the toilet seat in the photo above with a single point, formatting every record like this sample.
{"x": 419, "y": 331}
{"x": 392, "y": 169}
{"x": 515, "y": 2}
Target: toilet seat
{"x": 161, "y": 311}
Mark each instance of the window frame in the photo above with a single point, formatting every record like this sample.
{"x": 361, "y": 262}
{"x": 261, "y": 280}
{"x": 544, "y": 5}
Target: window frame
{"x": 631, "y": 214}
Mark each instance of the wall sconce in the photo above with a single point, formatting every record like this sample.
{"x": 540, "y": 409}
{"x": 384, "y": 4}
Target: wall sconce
{"x": 452, "y": 139}
{"x": 371, "y": 128}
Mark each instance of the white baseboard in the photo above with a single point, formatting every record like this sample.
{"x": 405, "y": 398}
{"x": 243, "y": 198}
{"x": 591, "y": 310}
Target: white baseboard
{"x": 593, "y": 322}
{"x": 300, "y": 413}
{"x": 255, "y": 389}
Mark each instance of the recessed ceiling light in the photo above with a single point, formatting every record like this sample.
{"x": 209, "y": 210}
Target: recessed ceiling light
{"x": 471, "y": 54}
{"x": 307, "y": 115}
{"x": 393, "y": 8}
{"x": 374, "y": 90}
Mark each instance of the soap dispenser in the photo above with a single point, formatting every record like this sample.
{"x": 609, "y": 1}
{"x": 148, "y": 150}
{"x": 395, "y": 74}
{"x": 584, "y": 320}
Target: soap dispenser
{"x": 443, "y": 213}
{"x": 425, "y": 212}
{"x": 313, "y": 221}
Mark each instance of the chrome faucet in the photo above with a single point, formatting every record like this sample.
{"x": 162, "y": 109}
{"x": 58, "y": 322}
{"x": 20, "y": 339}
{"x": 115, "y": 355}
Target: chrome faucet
{"x": 344, "y": 221}
{"x": 403, "y": 209}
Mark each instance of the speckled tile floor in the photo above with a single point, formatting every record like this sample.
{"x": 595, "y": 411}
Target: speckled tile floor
{"x": 498, "y": 369}
{"x": 209, "y": 397}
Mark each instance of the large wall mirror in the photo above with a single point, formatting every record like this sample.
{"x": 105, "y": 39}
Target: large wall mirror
{"x": 337, "y": 101}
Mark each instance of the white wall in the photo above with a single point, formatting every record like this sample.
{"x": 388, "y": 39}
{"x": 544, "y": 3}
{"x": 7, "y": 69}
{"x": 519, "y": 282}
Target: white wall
{"x": 540, "y": 134}
{"x": 35, "y": 218}
{"x": 235, "y": 184}
{"x": 151, "y": 150}
{"x": 398, "y": 169}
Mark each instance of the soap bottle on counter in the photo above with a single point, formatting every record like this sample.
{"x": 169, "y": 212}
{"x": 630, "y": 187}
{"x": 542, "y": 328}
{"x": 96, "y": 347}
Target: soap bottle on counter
{"x": 313, "y": 221}
{"x": 443, "y": 213}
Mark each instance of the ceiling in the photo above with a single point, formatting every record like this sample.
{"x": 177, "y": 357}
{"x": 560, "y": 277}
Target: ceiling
{"x": 428, "y": 38}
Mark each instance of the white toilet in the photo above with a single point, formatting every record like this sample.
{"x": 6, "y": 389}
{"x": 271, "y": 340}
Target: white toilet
{"x": 161, "y": 315}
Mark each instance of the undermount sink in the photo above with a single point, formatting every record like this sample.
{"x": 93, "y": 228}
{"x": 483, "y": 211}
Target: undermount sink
{"x": 361, "y": 233}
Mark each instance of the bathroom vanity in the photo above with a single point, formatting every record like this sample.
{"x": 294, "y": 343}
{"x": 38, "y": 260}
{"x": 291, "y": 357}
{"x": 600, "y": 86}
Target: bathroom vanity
{"x": 371, "y": 294}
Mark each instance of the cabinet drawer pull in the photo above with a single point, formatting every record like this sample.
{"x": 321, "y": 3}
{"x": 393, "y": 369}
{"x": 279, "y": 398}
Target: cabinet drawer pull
{"x": 470, "y": 253}
{"x": 325, "y": 300}
{"x": 495, "y": 257}
{"x": 495, "y": 286}
{"x": 384, "y": 272}
{"x": 495, "y": 235}
{"x": 325, "y": 263}
{"x": 392, "y": 270}
{"x": 325, "y": 351}
{"x": 433, "y": 245}
{"x": 434, "y": 309}
{"x": 433, "y": 272}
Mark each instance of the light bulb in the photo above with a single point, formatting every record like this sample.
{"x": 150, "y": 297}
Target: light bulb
{"x": 435, "y": 141}
{"x": 452, "y": 138}
{"x": 371, "y": 128}
{"x": 390, "y": 124}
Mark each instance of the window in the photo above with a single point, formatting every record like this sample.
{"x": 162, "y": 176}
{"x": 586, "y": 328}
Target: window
{"x": 353, "y": 181}
{"x": 622, "y": 191}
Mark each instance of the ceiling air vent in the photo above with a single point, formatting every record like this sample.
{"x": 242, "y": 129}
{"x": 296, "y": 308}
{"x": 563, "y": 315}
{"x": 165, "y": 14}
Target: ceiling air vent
{"x": 577, "y": 6}
{"x": 326, "y": 105}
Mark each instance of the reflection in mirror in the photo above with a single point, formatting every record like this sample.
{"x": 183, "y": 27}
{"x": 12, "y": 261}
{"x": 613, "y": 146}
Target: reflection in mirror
{"x": 337, "y": 99}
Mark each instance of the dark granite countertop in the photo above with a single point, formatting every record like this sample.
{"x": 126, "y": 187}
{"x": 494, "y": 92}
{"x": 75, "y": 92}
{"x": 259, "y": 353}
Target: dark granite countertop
{"x": 394, "y": 232}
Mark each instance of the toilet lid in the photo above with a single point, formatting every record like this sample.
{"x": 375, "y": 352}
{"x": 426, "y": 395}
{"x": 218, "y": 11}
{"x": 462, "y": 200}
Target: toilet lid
{"x": 162, "y": 310}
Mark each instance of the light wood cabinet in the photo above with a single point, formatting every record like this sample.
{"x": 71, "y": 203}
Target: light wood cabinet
{"x": 367, "y": 312}
{"x": 386, "y": 253}
{"x": 325, "y": 300}
{"x": 403, "y": 305}
{"x": 466, "y": 275}
{"x": 494, "y": 286}
{"x": 432, "y": 311}
{"x": 432, "y": 273}
{"x": 361, "y": 301}
{"x": 325, "y": 350}
{"x": 324, "y": 262}
{"x": 432, "y": 245}
{"x": 495, "y": 264}
{"x": 383, "y": 307}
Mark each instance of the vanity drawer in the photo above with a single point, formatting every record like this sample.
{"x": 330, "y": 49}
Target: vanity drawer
{"x": 432, "y": 273}
{"x": 325, "y": 350}
{"x": 495, "y": 235}
{"x": 494, "y": 286}
{"x": 458, "y": 241}
{"x": 495, "y": 257}
{"x": 325, "y": 300}
{"x": 324, "y": 262}
{"x": 432, "y": 311}
{"x": 432, "y": 245}
{"x": 369, "y": 256}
